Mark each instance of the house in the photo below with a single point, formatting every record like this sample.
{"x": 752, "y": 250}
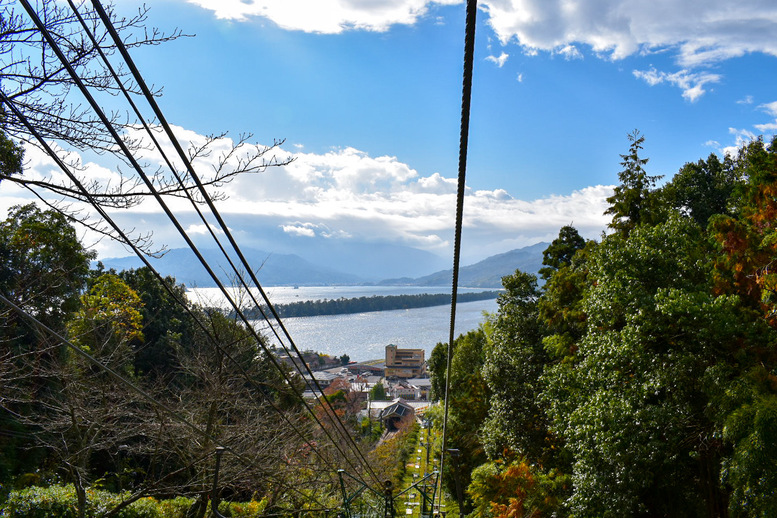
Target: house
{"x": 422, "y": 387}
{"x": 404, "y": 363}
{"x": 322, "y": 378}
{"x": 396, "y": 412}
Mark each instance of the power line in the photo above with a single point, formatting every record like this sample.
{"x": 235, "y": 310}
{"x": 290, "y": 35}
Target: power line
{"x": 466, "y": 97}
{"x": 224, "y": 228}
{"x": 169, "y": 213}
{"x": 159, "y": 277}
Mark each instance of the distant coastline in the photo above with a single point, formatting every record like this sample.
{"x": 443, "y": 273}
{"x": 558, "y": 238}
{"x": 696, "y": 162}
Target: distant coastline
{"x": 345, "y": 306}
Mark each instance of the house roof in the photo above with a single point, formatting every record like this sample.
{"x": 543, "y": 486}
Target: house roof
{"x": 398, "y": 408}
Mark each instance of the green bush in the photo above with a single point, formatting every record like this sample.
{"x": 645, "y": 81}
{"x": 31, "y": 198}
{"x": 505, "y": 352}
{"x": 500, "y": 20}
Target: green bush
{"x": 175, "y": 507}
{"x": 41, "y": 502}
{"x": 61, "y": 502}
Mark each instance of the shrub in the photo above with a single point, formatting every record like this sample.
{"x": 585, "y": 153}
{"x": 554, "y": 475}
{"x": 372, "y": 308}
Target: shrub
{"x": 175, "y": 507}
{"x": 61, "y": 502}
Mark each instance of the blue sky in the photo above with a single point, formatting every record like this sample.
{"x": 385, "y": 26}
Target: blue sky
{"x": 367, "y": 95}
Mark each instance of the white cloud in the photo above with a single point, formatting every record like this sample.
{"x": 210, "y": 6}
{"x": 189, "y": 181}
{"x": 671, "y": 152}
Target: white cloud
{"x": 202, "y": 230}
{"x": 499, "y": 61}
{"x": 769, "y": 127}
{"x": 325, "y": 16}
{"x": 770, "y": 108}
{"x": 569, "y": 52}
{"x": 747, "y": 100}
{"x": 742, "y": 137}
{"x": 299, "y": 230}
{"x": 346, "y": 194}
{"x": 691, "y": 83}
{"x": 355, "y": 196}
{"x": 698, "y": 31}
{"x": 520, "y": 78}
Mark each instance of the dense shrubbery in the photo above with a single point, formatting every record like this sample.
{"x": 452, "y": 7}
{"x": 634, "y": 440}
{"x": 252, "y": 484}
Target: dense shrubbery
{"x": 61, "y": 502}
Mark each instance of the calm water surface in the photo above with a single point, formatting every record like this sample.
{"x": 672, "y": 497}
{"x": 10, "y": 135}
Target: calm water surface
{"x": 364, "y": 336}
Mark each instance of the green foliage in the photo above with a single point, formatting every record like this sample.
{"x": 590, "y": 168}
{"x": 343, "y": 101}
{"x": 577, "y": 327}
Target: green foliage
{"x": 389, "y": 459}
{"x": 176, "y": 507}
{"x": 633, "y": 407}
{"x": 561, "y": 251}
{"x": 11, "y": 156}
{"x": 561, "y": 306}
{"x": 437, "y": 365}
{"x": 468, "y": 406}
{"x": 703, "y": 189}
{"x": 748, "y": 238}
{"x": 43, "y": 269}
{"x": 504, "y": 489}
{"x": 751, "y": 427}
{"x": 109, "y": 322}
{"x": 60, "y": 502}
{"x": 514, "y": 361}
{"x": 378, "y": 393}
{"x": 633, "y": 201}
{"x": 43, "y": 266}
{"x": 166, "y": 323}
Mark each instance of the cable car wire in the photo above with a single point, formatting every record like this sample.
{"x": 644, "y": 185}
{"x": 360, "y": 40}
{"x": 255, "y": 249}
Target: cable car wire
{"x": 466, "y": 98}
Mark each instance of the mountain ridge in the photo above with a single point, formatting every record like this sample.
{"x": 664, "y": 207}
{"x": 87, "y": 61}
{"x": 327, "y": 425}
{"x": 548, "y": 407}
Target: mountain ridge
{"x": 487, "y": 273}
{"x": 276, "y": 269}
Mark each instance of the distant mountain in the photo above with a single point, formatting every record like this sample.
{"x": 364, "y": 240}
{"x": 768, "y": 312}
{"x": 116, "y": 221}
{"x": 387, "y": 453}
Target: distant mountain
{"x": 487, "y": 273}
{"x": 372, "y": 261}
{"x": 273, "y": 269}
{"x": 344, "y": 265}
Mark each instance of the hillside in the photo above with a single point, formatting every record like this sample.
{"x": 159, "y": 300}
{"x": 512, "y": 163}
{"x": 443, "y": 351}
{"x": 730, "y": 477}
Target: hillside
{"x": 291, "y": 269}
{"x": 272, "y": 269}
{"x": 487, "y": 273}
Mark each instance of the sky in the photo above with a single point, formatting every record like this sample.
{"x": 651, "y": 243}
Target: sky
{"x": 367, "y": 95}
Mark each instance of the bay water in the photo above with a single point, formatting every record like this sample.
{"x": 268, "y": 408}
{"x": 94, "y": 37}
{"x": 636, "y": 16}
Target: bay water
{"x": 364, "y": 336}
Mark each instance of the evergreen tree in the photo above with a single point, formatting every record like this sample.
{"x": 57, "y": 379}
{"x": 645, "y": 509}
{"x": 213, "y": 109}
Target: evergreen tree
{"x": 632, "y": 202}
{"x": 561, "y": 251}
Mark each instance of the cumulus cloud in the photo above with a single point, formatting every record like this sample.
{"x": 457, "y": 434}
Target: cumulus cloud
{"x": 569, "y": 52}
{"x": 347, "y": 195}
{"x": 202, "y": 230}
{"x": 325, "y": 16}
{"x": 691, "y": 83}
{"x": 498, "y": 61}
{"x": 299, "y": 230}
{"x": 698, "y": 31}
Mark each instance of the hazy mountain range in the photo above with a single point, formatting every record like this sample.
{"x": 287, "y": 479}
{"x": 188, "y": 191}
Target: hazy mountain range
{"x": 346, "y": 265}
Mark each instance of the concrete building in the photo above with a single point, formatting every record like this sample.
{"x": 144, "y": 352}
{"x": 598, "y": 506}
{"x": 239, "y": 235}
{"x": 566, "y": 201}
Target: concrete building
{"x": 404, "y": 363}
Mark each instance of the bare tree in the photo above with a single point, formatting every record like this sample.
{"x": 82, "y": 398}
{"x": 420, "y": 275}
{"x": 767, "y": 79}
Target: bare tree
{"x": 58, "y": 72}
